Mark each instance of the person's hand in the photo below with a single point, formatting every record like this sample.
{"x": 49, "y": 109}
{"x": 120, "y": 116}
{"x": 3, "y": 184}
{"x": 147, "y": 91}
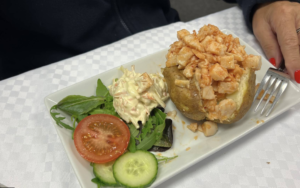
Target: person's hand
{"x": 274, "y": 25}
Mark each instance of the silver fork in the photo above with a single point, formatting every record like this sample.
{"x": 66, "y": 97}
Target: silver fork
{"x": 281, "y": 80}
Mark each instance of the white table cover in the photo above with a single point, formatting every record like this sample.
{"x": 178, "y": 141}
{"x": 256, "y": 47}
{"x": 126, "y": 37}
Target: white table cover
{"x": 31, "y": 154}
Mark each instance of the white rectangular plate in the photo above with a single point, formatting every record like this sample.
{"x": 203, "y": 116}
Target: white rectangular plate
{"x": 190, "y": 147}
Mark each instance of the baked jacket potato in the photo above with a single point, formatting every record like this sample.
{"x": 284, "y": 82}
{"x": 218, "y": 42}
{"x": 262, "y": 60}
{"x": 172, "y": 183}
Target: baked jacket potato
{"x": 188, "y": 100}
{"x": 210, "y": 76}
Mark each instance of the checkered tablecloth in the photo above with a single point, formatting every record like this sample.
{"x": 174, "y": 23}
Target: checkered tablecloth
{"x": 31, "y": 154}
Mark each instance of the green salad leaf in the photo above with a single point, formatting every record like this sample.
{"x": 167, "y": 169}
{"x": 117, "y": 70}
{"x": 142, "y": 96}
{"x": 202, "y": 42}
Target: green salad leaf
{"x": 147, "y": 142}
{"x": 133, "y": 131}
{"x": 58, "y": 120}
{"x": 161, "y": 117}
{"x": 77, "y": 104}
{"x": 152, "y": 131}
{"x": 166, "y": 140}
{"x": 164, "y": 159}
{"x": 147, "y": 128}
{"x": 101, "y": 90}
{"x": 79, "y": 107}
{"x": 131, "y": 145}
{"x": 109, "y": 105}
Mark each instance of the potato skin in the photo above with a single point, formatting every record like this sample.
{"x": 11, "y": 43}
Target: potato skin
{"x": 248, "y": 98}
{"x": 187, "y": 100}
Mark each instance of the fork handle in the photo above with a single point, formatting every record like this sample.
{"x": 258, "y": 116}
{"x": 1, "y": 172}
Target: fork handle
{"x": 282, "y": 65}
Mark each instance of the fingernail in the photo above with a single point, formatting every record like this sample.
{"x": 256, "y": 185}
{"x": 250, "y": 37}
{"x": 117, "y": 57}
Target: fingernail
{"x": 297, "y": 76}
{"x": 272, "y": 60}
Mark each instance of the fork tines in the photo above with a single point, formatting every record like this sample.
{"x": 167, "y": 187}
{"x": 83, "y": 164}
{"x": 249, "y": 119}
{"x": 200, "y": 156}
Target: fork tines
{"x": 281, "y": 81}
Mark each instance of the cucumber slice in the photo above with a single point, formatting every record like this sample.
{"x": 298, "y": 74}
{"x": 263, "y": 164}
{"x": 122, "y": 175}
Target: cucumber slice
{"x": 105, "y": 173}
{"x": 135, "y": 170}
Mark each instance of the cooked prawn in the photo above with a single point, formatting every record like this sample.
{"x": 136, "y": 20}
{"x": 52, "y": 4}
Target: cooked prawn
{"x": 217, "y": 72}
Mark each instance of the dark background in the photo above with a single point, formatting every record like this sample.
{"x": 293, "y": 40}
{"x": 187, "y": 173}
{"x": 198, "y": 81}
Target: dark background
{"x": 192, "y": 9}
{"x": 16, "y": 63}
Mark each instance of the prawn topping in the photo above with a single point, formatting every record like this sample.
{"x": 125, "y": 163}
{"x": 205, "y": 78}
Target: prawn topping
{"x": 184, "y": 55}
{"x": 182, "y": 33}
{"x": 192, "y": 41}
{"x": 217, "y": 72}
{"x": 227, "y": 61}
{"x": 253, "y": 62}
{"x": 208, "y": 92}
{"x": 225, "y": 109}
{"x": 228, "y": 87}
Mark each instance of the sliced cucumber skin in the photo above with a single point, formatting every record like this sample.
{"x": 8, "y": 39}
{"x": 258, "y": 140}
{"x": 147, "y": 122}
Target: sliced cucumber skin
{"x": 141, "y": 186}
{"x": 113, "y": 184}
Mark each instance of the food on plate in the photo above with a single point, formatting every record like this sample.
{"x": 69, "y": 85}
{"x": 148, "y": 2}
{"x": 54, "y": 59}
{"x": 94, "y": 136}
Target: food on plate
{"x": 208, "y": 128}
{"x": 210, "y": 76}
{"x": 137, "y": 169}
{"x": 101, "y": 138}
{"x": 161, "y": 158}
{"x": 136, "y": 94}
{"x": 262, "y": 93}
{"x": 193, "y": 127}
{"x": 155, "y": 135}
{"x": 105, "y": 173}
{"x": 172, "y": 114}
{"x": 141, "y": 165}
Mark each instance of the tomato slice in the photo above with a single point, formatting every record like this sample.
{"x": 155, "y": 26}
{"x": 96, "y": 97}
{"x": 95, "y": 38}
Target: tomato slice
{"x": 101, "y": 138}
